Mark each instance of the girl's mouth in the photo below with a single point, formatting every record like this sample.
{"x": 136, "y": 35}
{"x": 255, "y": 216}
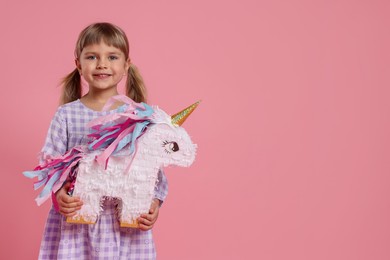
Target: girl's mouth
{"x": 101, "y": 75}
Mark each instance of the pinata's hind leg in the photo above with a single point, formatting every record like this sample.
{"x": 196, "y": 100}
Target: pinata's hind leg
{"x": 79, "y": 219}
{"x": 88, "y": 213}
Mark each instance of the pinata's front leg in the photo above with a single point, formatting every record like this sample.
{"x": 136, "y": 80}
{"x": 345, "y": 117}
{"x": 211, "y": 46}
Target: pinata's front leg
{"x": 131, "y": 224}
{"x": 127, "y": 218}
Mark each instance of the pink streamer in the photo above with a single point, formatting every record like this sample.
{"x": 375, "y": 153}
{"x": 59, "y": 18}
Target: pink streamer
{"x": 103, "y": 157}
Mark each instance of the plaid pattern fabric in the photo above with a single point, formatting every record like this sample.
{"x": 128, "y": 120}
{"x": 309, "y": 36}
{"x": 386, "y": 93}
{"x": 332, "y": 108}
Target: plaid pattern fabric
{"x": 105, "y": 239}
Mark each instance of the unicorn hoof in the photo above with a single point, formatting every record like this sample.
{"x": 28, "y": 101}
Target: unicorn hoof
{"x": 79, "y": 220}
{"x": 133, "y": 224}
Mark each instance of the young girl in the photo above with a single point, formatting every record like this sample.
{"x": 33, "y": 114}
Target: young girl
{"x": 102, "y": 59}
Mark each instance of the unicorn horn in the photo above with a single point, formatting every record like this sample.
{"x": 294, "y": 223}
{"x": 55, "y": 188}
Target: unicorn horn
{"x": 179, "y": 118}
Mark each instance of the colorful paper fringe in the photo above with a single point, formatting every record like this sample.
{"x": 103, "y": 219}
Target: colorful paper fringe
{"x": 53, "y": 173}
{"x": 113, "y": 132}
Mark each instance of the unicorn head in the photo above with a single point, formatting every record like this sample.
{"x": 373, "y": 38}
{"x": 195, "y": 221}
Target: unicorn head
{"x": 146, "y": 130}
{"x": 168, "y": 143}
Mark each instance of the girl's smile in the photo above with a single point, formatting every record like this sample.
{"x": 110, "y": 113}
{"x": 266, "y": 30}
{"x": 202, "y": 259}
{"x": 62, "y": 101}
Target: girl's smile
{"x": 101, "y": 75}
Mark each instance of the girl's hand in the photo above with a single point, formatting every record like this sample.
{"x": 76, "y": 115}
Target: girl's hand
{"x": 146, "y": 221}
{"x": 67, "y": 205}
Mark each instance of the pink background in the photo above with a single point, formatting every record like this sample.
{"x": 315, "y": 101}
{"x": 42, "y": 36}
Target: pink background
{"x": 293, "y": 131}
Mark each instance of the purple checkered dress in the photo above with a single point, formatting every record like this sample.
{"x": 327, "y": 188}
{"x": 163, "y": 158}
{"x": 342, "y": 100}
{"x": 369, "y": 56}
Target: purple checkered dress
{"x": 105, "y": 239}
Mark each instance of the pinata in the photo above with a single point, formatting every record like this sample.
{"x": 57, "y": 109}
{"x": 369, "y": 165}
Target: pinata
{"x": 128, "y": 149}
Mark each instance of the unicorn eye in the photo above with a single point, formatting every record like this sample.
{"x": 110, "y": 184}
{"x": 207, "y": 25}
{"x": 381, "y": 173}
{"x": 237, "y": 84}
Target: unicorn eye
{"x": 170, "y": 147}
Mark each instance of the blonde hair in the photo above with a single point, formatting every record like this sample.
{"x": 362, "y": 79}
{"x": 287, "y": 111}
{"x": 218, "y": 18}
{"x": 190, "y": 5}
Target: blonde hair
{"x": 111, "y": 35}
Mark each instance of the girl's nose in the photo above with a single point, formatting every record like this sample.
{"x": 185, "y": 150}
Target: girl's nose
{"x": 101, "y": 64}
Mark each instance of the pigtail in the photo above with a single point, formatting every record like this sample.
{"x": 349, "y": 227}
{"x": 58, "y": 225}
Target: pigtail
{"x": 71, "y": 87}
{"x": 135, "y": 87}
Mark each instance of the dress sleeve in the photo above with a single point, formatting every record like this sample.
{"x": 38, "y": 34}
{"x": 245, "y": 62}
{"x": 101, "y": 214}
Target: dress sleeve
{"x": 161, "y": 190}
{"x": 56, "y": 140}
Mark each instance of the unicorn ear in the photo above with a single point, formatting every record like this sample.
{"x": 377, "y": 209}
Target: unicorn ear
{"x": 179, "y": 118}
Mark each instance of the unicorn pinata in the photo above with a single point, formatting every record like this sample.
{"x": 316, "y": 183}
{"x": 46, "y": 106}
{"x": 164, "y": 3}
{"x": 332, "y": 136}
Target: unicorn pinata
{"x": 122, "y": 160}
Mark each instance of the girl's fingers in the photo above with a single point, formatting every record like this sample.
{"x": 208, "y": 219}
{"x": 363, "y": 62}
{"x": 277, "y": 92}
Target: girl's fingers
{"x": 69, "y": 202}
{"x": 148, "y": 217}
{"x": 70, "y": 205}
{"x": 68, "y": 199}
{"x": 144, "y": 224}
{"x": 147, "y": 220}
{"x": 69, "y": 209}
{"x": 144, "y": 227}
{"x": 144, "y": 221}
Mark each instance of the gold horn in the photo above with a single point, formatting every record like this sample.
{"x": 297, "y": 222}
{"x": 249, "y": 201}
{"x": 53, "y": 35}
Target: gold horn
{"x": 179, "y": 118}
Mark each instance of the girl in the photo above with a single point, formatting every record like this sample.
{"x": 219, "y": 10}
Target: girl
{"x": 102, "y": 59}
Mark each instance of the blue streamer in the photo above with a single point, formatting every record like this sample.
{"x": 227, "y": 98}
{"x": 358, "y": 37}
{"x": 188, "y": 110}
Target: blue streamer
{"x": 49, "y": 185}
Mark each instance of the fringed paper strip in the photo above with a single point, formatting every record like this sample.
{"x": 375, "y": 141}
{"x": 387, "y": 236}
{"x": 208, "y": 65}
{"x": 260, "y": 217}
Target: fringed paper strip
{"x": 113, "y": 132}
{"x": 53, "y": 173}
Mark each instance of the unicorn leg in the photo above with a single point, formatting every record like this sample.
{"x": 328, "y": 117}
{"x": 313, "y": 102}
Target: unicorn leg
{"x": 127, "y": 219}
{"x": 132, "y": 224}
{"x": 88, "y": 213}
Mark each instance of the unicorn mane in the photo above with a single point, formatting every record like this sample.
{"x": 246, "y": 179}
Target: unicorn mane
{"x": 112, "y": 133}
{"x": 116, "y": 131}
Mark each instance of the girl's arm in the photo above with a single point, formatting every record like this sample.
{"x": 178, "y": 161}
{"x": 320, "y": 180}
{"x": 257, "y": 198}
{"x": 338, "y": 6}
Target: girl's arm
{"x": 161, "y": 190}
{"x": 147, "y": 221}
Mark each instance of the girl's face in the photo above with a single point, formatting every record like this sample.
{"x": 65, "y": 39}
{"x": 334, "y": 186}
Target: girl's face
{"x": 102, "y": 66}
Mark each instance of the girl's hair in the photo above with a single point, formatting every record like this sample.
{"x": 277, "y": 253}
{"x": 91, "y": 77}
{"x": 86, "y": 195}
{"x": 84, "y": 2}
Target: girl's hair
{"x": 111, "y": 35}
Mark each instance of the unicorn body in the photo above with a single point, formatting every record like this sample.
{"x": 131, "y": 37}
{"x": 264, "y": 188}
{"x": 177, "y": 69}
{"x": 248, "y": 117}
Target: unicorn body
{"x": 128, "y": 149}
{"x": 131, "y": 179}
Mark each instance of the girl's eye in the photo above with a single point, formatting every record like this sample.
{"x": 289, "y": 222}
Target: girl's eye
{"x": 112, "y": 57}
{"x": 91, "y": 57}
